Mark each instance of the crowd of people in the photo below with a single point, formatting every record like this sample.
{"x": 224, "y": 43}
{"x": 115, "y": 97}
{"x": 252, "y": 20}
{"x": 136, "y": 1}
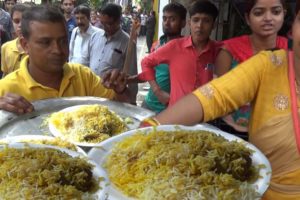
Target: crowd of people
{"x": 247, "y": 85}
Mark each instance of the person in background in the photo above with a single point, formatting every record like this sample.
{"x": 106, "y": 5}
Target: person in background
{"x": 126, "y": 20}
{"x": 265, "y": 18}
{"x": 150, "y": 29}
{"x": 270, "y": 80}
{"x": 190, "y": 59}
{"x": 44, "y": 73}
{"x": 9, "y": 4}
{"x": 95, "y": 19}
{"x": 143, "y": 24}
{"x": 12, "y": 52}
{"x": 6, "y": 23}
{"x": 108, "y": 50}
{"x": 174, "y": 19}
{"x": 67, "y": 7}
{"x": 3, "y": 39}
{"x": 81, "y": 36}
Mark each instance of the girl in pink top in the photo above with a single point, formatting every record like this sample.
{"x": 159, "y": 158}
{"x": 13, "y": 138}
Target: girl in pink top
{"x": 265, "y": 18}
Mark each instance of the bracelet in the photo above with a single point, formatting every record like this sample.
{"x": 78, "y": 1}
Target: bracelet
{"x": 152, "y": 121}
{"x": 156, "y": 121}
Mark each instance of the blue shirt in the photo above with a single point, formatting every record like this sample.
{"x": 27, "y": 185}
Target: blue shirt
{"x": 71, "y": 24}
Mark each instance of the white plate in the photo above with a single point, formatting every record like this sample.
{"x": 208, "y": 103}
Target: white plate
{"x": 99, "y": 155}
{"x": 25, "y": 138}
{"x": 57, "y": 133}
{"x": 101, "y": 194}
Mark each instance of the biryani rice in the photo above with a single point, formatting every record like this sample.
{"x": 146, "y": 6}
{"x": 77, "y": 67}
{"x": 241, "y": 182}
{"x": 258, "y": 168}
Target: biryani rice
{"x": 45, "y": 173}
{"x": 182, "y": 165}
{"x": 89, "y": 123}
{"x": 54, "y": 142}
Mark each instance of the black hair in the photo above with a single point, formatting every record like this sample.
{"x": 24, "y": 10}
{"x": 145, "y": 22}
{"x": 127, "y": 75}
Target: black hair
{"x": 19, "y": 8}
{"x": 62, "y": 2}
{"x": 112, "y": 10}
{"x": 40, "y": 14}
{"x": 81, "y": 9}
{"x": 177, "y": 8}
{"x": 249, "y": 4}
{"x": 7, "y": 0}
{"x": 204, "y": 6}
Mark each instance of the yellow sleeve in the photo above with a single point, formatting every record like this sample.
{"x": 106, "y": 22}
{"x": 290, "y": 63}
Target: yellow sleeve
{"x": 95, "y": 87}
{"x": 100, "y": 91}
{"x": 4, "y": 67}
{"x": 234, "y": 89}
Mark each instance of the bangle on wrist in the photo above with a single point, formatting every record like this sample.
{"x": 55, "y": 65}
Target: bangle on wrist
{"x": 152, "y": 121}
{"x": 156, "y": 121}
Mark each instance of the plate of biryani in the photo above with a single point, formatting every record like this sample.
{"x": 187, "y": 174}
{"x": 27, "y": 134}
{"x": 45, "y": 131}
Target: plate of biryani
{"x": 31, "y": 171}
{"x": 42, "y": 139}
{"x": 180, "y": 162}
{"x": 87, "y": 125}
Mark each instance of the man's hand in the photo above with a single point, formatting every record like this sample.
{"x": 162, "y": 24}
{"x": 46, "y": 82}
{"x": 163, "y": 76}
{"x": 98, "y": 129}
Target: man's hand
{"x": 15, "y": 103}
{"x": 134, "y": 79}
{"x": 116, "y": 80}
{"x": 162, "y": 96}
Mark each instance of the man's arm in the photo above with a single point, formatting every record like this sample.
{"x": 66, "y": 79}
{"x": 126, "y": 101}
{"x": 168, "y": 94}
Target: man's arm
{"x": 15, "y": 103}
{"x": 161, "y": 95}
{"x": 161, "y": 55}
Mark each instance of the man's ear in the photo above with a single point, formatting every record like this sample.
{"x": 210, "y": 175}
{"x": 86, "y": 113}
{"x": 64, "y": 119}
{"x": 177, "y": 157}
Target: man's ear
{"x": 24, "y": 44}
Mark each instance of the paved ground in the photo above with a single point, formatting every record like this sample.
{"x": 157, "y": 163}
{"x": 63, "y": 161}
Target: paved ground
{"x": 141, "y": 53}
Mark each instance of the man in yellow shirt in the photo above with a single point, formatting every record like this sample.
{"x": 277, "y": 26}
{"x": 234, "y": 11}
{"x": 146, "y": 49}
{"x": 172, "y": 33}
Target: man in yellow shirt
{"x": 12, "y": 51}
{"x": 45, "y": 73}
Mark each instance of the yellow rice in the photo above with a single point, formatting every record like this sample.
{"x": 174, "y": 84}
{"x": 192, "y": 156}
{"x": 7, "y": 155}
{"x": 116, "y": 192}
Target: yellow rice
{"x": 89, "y": 123}
{"x": 54, "y": 142}
{"x": 44, "y": 173}
{"x": 182, "y": 165}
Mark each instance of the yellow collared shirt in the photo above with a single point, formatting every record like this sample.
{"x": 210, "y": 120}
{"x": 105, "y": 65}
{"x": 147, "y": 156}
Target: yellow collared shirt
{"x": 11, "y": 56}
{"x": 77, "y": 81}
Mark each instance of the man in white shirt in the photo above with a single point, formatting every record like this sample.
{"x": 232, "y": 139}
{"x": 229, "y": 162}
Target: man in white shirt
{"x": 81, "y": 36}
{"x": 108, "y": 49}
{"x": 143, "y": 24}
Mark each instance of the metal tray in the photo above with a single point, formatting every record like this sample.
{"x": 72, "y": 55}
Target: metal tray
{"x": 33, "y": 123}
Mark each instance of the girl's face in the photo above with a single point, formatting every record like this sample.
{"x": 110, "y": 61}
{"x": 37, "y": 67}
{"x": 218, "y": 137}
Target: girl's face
{"x": 266, "y": 17}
